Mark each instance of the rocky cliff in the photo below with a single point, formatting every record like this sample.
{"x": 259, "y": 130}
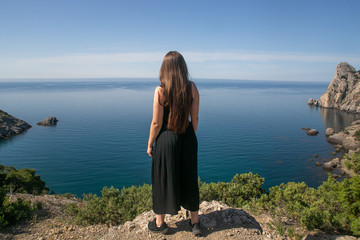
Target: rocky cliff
{"x": 343, "y": 92}
{"x": 10, "y": 125}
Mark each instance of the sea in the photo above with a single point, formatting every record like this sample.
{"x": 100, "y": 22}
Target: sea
{"x": 103, "y": 129}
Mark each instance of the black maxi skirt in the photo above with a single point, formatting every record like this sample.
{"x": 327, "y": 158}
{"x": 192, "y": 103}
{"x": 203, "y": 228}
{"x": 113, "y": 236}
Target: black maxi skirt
{"x": 174, "y": 172}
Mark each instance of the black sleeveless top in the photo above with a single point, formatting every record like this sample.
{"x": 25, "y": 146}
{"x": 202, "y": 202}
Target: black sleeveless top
{"x": 166, "y": 116}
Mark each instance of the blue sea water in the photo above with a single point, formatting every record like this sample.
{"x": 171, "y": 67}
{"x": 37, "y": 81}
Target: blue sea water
{"x": 102, "y": 134}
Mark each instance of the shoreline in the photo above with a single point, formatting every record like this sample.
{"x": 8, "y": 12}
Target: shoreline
{"x": 347, "y": 141}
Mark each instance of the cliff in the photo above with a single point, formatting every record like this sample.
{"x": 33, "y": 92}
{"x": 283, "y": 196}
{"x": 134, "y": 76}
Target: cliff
{"x": 343, "y": 92}
{"x": 10, "y": 125}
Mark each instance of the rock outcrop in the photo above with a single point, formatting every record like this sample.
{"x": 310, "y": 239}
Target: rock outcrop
{"x": 49, "y": 121}
{"x": 347, "y": 138}
{"x": 343, "y": 92}
{"x": 314, "y": 102}
{"x": 312, "y": 132}
{"x": 347, "y": 141}
{"x": 331, "y": 164}
{"x": 218, "y": 221}
{"x": 10, "y": 125}
{"x": 329, "y": 132}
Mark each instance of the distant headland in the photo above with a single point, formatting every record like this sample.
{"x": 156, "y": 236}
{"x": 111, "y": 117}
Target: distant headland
{"x": 343, "y": 92}
{"x": 10, "y": 125}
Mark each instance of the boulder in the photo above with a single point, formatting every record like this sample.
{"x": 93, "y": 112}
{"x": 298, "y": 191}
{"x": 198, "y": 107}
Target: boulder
{"x": 312, "y": 132}
{"x": 332, "y": 164}
{"x": 313, "y": 102}
{"x": 346, "y": 140}
{"x": 49, "y": 121}
{"x": 329, "y": 132}
{"x": 336, "y": 176}
{"x": 318, "y": 164}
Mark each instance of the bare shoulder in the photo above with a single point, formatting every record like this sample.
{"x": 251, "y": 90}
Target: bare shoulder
{"x": 194, "y": 89}
{"x": 159, "y": 91}
{"x": 159, "y": 94}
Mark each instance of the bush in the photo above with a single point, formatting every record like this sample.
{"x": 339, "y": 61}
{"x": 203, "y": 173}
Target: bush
{"x": 113, "y": 207}
{"x": 12, "y": 212}
{"x": 240, "y": 191}
{"x": 334, "y": 206}
{"x": 21, "y": 180}
{"x": 353, "y": 162}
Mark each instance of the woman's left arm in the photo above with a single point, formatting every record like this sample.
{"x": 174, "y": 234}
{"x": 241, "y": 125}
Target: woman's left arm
{"x": 194, "y": 110}
{"x": 156, "y": 122}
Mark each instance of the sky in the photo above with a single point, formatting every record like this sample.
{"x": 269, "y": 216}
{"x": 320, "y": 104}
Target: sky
{"x": 245, "y": 40}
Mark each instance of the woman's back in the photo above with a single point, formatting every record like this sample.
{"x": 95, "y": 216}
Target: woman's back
{"x": 193, "y": 108}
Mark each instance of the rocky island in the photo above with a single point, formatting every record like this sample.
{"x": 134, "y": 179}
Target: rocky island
{"x": 49, "y": 121}
{"x": 343, "y": 92}
{"x": 10, "y": 125}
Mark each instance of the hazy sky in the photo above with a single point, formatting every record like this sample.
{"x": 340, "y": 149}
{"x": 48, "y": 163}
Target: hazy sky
{"x": 262, "y": 40}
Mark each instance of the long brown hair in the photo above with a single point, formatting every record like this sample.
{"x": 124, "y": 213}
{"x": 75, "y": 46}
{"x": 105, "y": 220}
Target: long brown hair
{"x": 174, "y": 79}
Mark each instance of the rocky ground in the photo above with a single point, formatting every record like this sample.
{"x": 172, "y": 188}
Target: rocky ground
{"x": 218, "y": 222}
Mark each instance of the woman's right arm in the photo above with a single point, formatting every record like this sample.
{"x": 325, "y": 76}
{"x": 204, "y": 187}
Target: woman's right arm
{"x": 156, "y": 122}
{"x": 194, "y": 110}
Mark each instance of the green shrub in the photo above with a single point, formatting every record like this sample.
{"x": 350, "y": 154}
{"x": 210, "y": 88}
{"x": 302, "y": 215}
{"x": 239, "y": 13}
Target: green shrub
{"x": 12, "y": 212}
{"x": 21, "y": 180}
{"x": 241, "y": 190}
{"x": 349, "y": 198}
{"x": 334, "y": 206}
{"x": 279, "y": 228}
{"x": 113, "y": 207}
{"x": 353, "y": 162}
{"x": 141, "y": 195}
{"x": 18, "y": 181}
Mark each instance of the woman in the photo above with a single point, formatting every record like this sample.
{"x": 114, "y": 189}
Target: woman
{"x": 174, "y": 156}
